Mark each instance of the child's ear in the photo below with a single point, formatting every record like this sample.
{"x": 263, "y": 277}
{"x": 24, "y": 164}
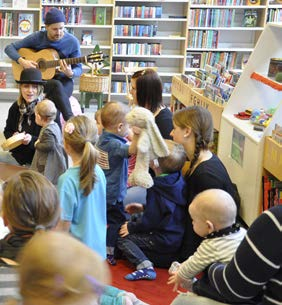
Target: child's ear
{"x": 211, "y": 227}
{"x": 119, "y": 128}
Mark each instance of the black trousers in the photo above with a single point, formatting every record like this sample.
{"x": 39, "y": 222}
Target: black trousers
{"x": 59, "y": 91}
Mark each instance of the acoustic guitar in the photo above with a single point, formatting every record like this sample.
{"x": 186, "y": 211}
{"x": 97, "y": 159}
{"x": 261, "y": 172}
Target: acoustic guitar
{"x": 48, "y": 60}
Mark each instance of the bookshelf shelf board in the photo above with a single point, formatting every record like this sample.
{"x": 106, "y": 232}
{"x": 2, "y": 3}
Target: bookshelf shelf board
{"x": 28, "y": 9}
{"x": 150, "y": 1}
{"x": 150, "y": 38}
{"x": 78, "y": 4}
{"x": 238, "y": 28}
{"x": 272, "y": 160}
{"x": 150, "y": 56}
{"x": 89, "y": 26}
{"x": 205, "y": 6}
{"x": 220, "y": 49}
{"x": 102, "y": 47}
{"x": 163, "y": 19}
{"x": 275, "y": 6}
{"x": 162, "y": 74}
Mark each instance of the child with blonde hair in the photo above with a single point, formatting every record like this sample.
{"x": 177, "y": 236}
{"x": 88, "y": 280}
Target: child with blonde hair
{"x": 213, "y": 214}
{"x": 114, "y": 153}
{"x": 82, "y": 188}
{"x": 49, "y": 158}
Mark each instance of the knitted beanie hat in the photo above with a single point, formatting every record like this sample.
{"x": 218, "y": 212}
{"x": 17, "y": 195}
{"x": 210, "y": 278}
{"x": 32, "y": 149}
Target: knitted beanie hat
{"x": 54, "y": 16}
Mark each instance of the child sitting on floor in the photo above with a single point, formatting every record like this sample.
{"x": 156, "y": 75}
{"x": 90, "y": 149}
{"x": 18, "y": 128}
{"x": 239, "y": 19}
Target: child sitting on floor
{"x": 30, "y": 202}
{"x": 155, "y": 238}
{"x": 213, "y": 214}
{"x": 49, "y": 158}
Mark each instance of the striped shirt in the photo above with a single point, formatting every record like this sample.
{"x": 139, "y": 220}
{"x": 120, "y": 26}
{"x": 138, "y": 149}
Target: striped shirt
{"x": 8, "y": 283}
{"x": 211, "y": 250}
{"x": 255, "y": 271}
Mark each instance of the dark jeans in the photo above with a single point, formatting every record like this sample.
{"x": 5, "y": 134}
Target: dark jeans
{"x": 133, "y": 247}
{"x": 59, "y": 91}
{"x": 116, "y": 216}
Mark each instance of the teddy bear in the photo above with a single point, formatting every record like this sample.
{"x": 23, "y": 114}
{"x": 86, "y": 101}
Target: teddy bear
{"x": 150, "y": 145}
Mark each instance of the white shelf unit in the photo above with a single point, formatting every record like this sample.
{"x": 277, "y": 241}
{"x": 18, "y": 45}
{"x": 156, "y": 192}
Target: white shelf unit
{"x": 233, "y": 38}
{"x": 244, "y": 160}
{"x": 170, "y": 32}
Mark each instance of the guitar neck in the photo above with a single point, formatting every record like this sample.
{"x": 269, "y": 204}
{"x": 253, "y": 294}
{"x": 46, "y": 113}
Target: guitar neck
{"x": 69, "y": 61}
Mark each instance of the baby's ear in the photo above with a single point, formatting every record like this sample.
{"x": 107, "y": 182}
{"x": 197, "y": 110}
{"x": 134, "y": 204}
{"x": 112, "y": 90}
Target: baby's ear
{"x": 210, "y": 225}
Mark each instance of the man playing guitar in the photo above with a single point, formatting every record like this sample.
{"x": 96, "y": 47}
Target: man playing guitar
{"x": 60, "y": 87}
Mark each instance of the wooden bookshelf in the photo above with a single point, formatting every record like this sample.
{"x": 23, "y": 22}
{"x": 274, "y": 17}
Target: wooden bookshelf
{"x": 272, "y": 159}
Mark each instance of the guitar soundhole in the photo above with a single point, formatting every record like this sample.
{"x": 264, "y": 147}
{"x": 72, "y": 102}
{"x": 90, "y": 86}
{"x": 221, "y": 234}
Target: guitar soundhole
{"x": 41, "y": 64}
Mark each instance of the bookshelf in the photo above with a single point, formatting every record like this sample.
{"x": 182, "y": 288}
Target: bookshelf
{"x": 9, "y": 33}
{"x": 243, "y": 150}
{"x": 148, "y": 33}
{"x": 180, "y": 21}
{"x": 219, "y": 31}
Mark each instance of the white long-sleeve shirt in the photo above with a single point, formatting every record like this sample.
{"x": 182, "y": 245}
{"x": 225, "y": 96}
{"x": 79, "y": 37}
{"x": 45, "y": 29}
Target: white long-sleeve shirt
{"x": 211, "y": 250}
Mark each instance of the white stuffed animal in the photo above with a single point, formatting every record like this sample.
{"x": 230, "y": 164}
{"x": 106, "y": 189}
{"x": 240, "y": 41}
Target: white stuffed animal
{"x": 150, "y": 145}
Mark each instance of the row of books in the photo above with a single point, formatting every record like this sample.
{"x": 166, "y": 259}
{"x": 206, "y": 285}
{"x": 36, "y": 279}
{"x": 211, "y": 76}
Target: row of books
{"x": 274, "y": 15}
{"x": 137, "y": 49}
{"x": 140, "y": 30}
{"x": 16, "y": 24}
{"x": 212, "y": 17}
{"x": 231, "y": 60}
{"x": 119, "y": 65}
{"x": 277, "y": 134}
{"x": 203, "y": 39}
{"x": 73, "y": 14}
{"x": 138, "y": 11}
{"x": 272, "y": 192}
{"x": 120, "y": 87}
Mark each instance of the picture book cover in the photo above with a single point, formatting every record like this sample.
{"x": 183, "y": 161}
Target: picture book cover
{"x": 86, "y": 37}
{"x": 250, "y": 18}
{"x": 99, "y": 15}
{"x": 2, "y": 79}
{"x": 25, "y": 24}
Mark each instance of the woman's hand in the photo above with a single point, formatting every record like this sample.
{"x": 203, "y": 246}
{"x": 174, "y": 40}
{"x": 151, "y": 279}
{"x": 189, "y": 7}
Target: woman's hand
{"x": 27, "y": 139}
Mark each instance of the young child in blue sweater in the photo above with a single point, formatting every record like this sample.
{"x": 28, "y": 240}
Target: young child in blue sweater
{"x": 155, "y": 237}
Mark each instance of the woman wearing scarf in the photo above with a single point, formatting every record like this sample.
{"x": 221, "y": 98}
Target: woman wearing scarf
{"x": 21, "y": 118}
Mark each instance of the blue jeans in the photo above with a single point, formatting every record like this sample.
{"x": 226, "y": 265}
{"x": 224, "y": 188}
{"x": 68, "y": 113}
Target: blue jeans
{"x": 133, "y": 245}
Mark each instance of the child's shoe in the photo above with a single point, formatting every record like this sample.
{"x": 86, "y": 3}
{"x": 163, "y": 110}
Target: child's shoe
{"x": 111, "y": 259}
{"x": 142, "y": 274}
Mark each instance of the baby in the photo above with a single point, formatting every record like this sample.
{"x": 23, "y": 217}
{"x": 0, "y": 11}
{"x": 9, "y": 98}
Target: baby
{"x": 213, "y": 214}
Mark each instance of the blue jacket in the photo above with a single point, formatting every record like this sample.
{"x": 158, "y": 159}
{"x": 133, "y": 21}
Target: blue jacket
{"x": 164, "y": 215}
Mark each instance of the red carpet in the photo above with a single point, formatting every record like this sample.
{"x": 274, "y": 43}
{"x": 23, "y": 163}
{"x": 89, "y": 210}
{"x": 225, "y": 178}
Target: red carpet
{"x": 155, "y": 292}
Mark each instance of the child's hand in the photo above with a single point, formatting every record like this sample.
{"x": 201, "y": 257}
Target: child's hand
{"x": 123, "y": 230}
{"x": 136, "y": 130}
{"x": 175, "y": 280}
{"x": 36, "y": 142}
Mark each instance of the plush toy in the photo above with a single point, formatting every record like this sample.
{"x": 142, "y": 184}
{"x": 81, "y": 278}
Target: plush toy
{"x": 150, "y": 145}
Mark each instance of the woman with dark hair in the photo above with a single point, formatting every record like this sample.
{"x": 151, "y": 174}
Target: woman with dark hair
{"x": 146, "y": 90}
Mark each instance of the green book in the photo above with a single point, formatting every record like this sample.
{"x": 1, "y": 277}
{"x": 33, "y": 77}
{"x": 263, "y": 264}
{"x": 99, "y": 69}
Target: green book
{"x": 99, "y": 15}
